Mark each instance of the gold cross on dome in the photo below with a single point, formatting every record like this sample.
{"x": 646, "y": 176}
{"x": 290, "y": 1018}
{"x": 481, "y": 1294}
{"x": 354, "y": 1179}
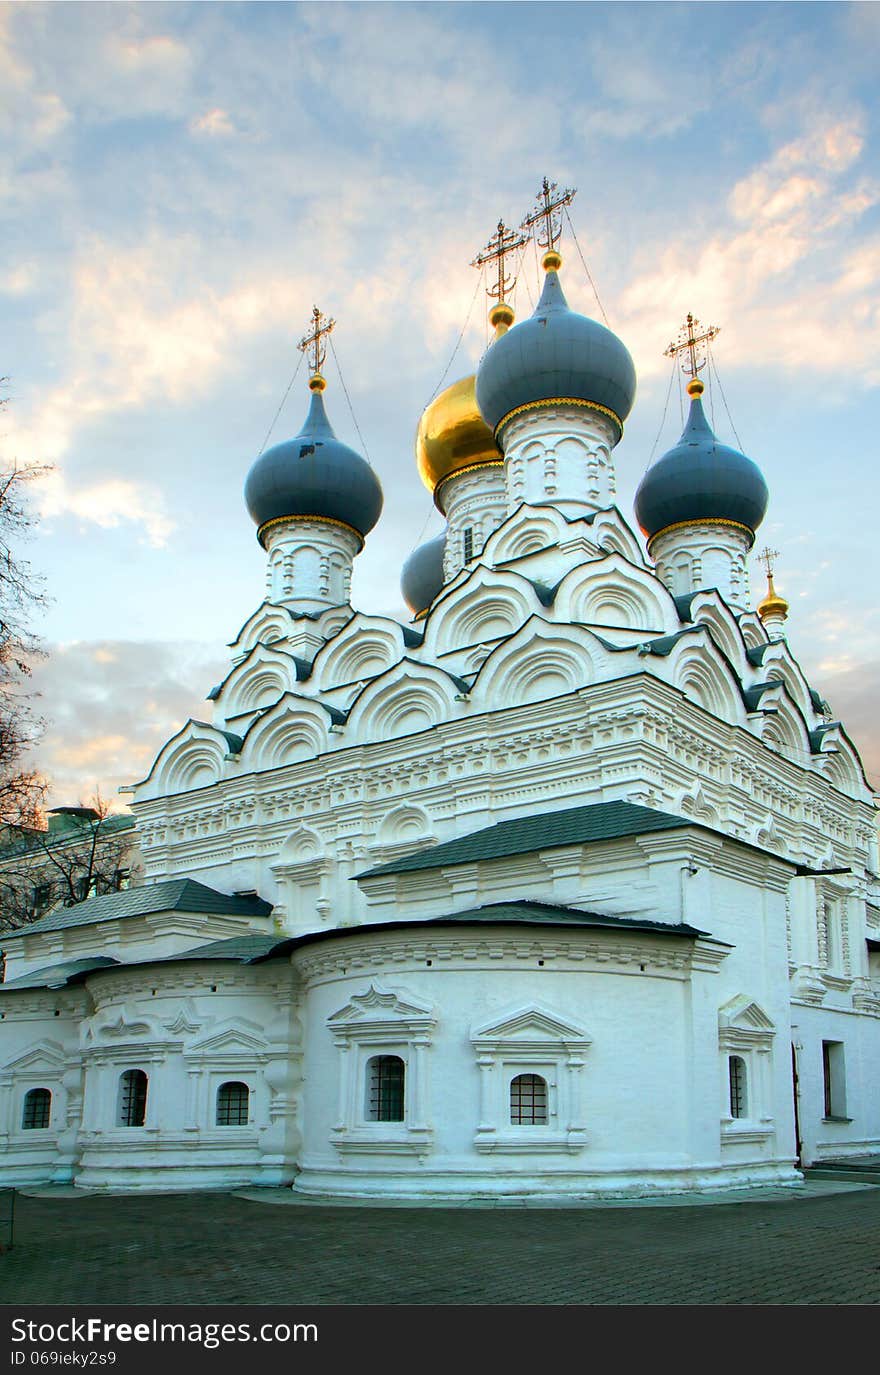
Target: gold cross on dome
{"x": 768, "y": 558}
{"x": 692, "y": 345}
{"x": 502, "y": 242}
{"x": 548, "y": 214}
{"x": 321, "y": 327}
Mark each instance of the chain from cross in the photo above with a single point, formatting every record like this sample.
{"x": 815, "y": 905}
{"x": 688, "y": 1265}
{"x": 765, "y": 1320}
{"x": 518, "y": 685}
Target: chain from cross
{"x": 551, "y": 203}
{"x": 321, "y": 327}
{"x": 693, "y": 344}
{"x": 502, "y": 242}
{"x": 768, "y": 557}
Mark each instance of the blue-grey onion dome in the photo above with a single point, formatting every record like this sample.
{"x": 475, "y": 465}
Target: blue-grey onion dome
{"x": 422, "y": 577}
{"x": 701, "y": 479}
{"x": 315, "y": 475}
{"x": 555, "y": 355}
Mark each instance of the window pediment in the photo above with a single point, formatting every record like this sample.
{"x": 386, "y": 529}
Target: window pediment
{"x": 379, "y": 1011}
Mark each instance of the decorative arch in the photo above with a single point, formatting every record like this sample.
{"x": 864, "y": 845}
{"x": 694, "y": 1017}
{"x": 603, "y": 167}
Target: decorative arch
{"x": 264, "y": 626}
{"x": 541, "y": 661}
{"x": 528, "y": 530}
{"x": 404, "y": 826}
{"x": 488, "y": 605}
{"x": 615, "y": 593}
{"x": 695, "y": 803}
{"x": 194, "y": 758}
{"x": 841, "y": 765}
{"x": 613, "y": 536}
{"x": 709, "y": 609}
{"x": 259, "y": 680}
{"x": 294, "y": 728}
{"x": 701, "y": 674}
{"x": 779, "y": 665}
{"x": 409, "y": 698}
{"x": 752, "y": 629}
{"x": 301, "y": 845}
{"x": 785, "y": 731}
{"x": 364, "y": 648}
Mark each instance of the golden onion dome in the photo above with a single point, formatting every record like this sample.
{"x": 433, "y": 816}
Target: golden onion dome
{"x": 452, "y": 437}
{"x": 773, "y": 604}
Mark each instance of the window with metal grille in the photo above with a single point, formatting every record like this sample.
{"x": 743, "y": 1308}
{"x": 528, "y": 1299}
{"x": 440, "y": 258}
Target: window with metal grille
{"x": 468, "y": 544}
{"x": 736, "y": 1072}
{"x": 132, "y": 1098}
{"x": 37, "y": 1107}
{"x": 232, "y": 1104}
{"x": 528, "y": 1100}
{"x": 385, "y": 1088}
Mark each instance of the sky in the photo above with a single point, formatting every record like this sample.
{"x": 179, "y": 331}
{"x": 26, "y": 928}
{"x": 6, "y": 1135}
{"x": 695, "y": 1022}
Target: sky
{"x": 180, "y": 183}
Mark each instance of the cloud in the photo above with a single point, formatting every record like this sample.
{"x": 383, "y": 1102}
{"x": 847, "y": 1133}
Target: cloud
{"x": 110, "y": 705}
{"x": 793, "y": 211}
{"x": 214, "y": 122}
{"x": 106, "y": 504}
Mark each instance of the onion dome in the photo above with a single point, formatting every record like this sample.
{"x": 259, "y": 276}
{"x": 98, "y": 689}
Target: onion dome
{"x": 555, "y": 356}
{"x": 773, "y": 606}
{"x": 313, "y": 476}
{"x": 701, "y": 480}
{"x": 422, "y": 577}
{"x": 453, "y": 437}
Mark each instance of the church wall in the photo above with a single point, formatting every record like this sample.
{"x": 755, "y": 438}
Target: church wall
{"x": 644, "y": 1111}
{"x": 39, "y": 1049}
{"x": 190, "y": 1029}
{"x": 855, "y": 1101}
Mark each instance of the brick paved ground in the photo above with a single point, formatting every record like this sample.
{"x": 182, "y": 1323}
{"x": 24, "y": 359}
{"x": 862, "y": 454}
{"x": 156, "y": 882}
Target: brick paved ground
{"x": 223, "y": 1249}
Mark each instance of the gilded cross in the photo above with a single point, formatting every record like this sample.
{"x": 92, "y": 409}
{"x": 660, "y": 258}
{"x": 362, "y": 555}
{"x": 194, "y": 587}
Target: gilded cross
{"x": 693, "y": 345}
{"x": 321, "y": 327}
{"x": 502, "y": 242}
{"x": 548, "y": 214}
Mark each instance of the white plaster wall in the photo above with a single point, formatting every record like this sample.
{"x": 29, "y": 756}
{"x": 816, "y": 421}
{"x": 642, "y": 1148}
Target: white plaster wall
{"x": 650, "y": 1083}
{"x": 191, "y": 1027}
{"x": 39, "y": 1048}
{"x": 562, "y": 455}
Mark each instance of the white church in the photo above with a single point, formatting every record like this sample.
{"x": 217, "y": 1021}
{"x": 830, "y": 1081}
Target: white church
{"x": 565, "y": 889}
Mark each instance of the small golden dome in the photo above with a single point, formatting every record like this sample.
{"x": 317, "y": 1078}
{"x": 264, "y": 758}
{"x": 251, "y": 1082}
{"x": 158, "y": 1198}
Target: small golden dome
{"x": 452, "y": 435}
{"x": 773, "y": 604}
{"x": 695, "y": 387}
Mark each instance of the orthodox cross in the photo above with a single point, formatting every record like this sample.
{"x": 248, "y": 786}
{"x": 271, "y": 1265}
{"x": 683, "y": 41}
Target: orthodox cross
{"x": 693, "y": 345}
{"x": 548, "y": 214}
{"x": 321, "y": 327}
{"x": 502, "y": 242}
{"x": 767, "y": 557}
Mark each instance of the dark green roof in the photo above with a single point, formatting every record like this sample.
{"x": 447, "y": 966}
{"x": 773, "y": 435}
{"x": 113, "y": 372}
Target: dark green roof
{"x": 58, "y": 975}
{"x": 546, "y": 831}
{"x": 529, "y": 913}
{"x": 26, "y": 842}
{"x": 172, "y": 895}
{"x": 240, "y": 948}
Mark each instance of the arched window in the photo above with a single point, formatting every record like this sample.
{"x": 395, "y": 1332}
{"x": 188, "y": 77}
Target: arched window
{"x": 385, "y": 1088}
{"x": 528, "y": 1101}
{"x": 37, "y": 1107}
{"x": 232, "y": 1104}
{"x": 736, "y": 1067}
{"x": 132, "y": 1098}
